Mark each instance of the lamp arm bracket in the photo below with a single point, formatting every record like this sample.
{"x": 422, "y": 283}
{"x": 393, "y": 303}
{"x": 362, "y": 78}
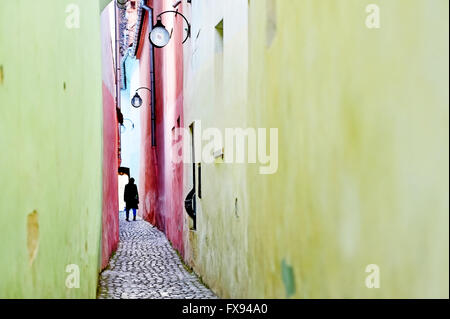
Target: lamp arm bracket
{"x": 185, "y": 19}
{"x": 143, "y": 88}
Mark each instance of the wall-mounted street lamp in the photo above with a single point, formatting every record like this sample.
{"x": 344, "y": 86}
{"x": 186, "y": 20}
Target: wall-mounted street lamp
{"x": 160, "y": 37}
{"x": 136, "y": 101}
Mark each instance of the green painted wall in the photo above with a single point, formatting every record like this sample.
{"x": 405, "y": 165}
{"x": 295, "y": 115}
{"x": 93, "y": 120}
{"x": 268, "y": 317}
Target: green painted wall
{"x": 51, "y": 140}
{"x": 363, "y": 148}
{"x": 363, "y": 171}
{"x": 215, "y": 94}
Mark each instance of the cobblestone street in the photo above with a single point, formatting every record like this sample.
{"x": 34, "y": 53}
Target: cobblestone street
{"x": 145, "y": 266}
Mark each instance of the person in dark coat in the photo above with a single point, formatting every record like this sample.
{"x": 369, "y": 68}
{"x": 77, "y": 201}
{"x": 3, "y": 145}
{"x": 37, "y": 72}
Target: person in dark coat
{"x": 131, "y": 198}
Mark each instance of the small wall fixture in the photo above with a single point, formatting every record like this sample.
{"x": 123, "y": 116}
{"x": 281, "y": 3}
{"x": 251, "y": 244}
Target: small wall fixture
{"x": 160, "y": 37}
{"x": 136, "y": 101}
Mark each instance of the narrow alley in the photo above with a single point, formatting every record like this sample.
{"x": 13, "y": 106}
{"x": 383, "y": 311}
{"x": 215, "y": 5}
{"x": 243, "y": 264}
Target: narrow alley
{"x": 269, "y": 149}
{"x": 145, "y": 266}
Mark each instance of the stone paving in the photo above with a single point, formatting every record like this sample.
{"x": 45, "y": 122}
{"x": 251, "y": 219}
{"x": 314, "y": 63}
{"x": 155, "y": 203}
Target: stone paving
{"x": 145, "y": 266}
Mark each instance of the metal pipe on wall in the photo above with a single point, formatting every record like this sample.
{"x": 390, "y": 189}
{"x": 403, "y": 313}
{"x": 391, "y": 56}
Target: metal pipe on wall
{"x": 117, "y": 72}
{"x": 152, "y": 76}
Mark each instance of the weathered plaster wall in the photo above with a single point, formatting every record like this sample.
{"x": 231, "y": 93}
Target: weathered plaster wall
{"x": 149, "y": 161}
{"x": 363, "y": 157}
{"x": 215, "y": 96}
{"x": 110, "y": 220}
{"x": 51, "y": 137}
{"x": 363, "y": 148}
{"x": 171, "y": 73}
{"x": 161, "y": 179}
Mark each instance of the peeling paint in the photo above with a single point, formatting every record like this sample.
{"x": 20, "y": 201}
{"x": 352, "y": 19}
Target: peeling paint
{"x": 287, "y": 273}
{"x": 32, "y": 236}
{"x": 1, "y": 74}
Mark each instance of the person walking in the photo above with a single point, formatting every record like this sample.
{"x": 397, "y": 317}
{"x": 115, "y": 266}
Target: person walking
{"x": 131, "y": 198}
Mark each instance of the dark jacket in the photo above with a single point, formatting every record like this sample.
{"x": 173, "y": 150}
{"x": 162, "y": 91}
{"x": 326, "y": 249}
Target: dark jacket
{"x": 131, "y": 196}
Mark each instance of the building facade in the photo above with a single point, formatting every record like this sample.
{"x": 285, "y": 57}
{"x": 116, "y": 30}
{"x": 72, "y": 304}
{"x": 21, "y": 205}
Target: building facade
{"x": 51, "y": 126}
{"x": 111, "y": 137}
{"x": 160, "y": 183}
{"x": 360, "y": 180}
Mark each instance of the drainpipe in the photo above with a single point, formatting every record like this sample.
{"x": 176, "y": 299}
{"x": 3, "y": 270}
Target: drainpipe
{"x": 152, "y": 76}
{"x": 117, "y": 28}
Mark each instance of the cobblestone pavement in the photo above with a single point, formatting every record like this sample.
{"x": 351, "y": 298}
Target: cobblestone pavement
{"x": 145, "y": 266}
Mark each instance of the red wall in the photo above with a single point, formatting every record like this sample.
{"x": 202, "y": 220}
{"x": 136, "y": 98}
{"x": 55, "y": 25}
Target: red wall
{"x": 173, "y": 84}
{"x": 110, "y": 209}
{"x": 161, "y": 180}
{"x": 110, "y": 221}
{"x": 148, "y": 176}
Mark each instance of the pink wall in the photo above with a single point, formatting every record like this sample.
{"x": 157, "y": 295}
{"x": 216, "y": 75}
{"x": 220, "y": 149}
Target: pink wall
{"x": 148, "y": 176}
{"x": 173, "y": 86}
{"x": 161, "y": 180}
{"x": 110, "y": 222}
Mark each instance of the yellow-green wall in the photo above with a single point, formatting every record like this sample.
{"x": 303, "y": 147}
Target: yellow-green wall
{"x": 51, "y": 142}
{"x": 363, "y": 127}
{"x": 215, "y": 94}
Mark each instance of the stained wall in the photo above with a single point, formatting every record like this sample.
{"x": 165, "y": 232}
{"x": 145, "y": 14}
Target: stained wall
{"x": 51, "y": 132}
